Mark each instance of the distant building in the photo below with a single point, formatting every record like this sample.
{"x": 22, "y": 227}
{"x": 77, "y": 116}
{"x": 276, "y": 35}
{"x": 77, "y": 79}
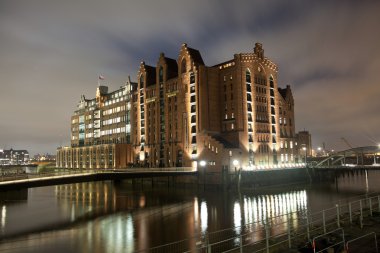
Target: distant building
{"x": 181, "y": 112}
{"x": 14, "y": 157}
{"x": 304, "y": 146}
{"x": 44, "y": 157}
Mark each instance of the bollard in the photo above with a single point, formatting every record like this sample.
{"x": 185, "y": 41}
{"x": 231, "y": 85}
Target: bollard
{"x": 349, "y": 211}
{"x": 370, "y": 206}
{"x": 337, "y": 215}
{"x": 324, "y": 221}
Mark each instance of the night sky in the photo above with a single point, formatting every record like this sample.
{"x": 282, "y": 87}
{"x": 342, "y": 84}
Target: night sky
{"x": 51, "y": 52}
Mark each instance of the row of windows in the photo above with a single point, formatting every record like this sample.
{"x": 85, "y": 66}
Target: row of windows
{"x": 113, "y": 110}
{"x": 261, "y": 99}
{"x": 261, "y": 90}
{"x": 284, "y": 144}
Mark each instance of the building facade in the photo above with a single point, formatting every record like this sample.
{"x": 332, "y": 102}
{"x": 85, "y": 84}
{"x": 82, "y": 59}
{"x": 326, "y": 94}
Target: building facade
{"x": 180, "y": 112}
{"x": 14, "y": 157}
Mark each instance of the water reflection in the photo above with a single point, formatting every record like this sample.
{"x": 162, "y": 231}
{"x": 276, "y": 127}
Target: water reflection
{"x": 107, "y": 217}
{"x": 204, "y": 217}
{"x": 3, "y": 217}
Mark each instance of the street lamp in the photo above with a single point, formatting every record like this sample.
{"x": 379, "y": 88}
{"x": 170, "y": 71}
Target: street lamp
{"x": 203, "y": 165}
{"x": 235, "y": 163}
{"x": 304, "y": 149}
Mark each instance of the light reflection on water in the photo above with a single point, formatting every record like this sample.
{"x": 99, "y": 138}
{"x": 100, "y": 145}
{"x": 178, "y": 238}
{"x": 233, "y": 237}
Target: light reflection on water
{"x": 104, "y": 217}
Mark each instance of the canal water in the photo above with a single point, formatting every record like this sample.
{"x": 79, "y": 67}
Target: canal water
{"x": 121, "y": 217}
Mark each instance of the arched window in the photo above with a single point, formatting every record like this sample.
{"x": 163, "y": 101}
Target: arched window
{"x": 247, "y": 76}
{"x": 161, "y": 75}
{"x": 141, "y": 81}
{"x": 183, "y": 66}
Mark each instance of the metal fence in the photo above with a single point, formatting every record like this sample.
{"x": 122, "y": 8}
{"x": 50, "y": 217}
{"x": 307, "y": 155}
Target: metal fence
{"x": 261, "y": 236}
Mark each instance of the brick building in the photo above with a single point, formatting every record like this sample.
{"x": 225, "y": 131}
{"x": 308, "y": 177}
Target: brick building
{"x": 181, "y": 112}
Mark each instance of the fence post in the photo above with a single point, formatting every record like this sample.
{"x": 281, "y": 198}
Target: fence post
{"x": 307, "y": 226}
{"x": 324, "y": 221}
{"x": 361, "y": 214}
{"x": 377, "y": 250}
{"x": 208, "y": 246}
{"x": 241, "y": 243}
{"x": 349, "y": 210}
{"x": 337, "y": 215}
{"x": 370, "y": 206}
{"x": 267, "y": 237}
{"x": 289, "y": 237}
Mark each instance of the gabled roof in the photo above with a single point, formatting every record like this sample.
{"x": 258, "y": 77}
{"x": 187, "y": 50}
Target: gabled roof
{"x": 282, "y": 92}
{"x": 196, "y": 56}
{"x": 172, "y": 70}
{"x": 150, "y": 75}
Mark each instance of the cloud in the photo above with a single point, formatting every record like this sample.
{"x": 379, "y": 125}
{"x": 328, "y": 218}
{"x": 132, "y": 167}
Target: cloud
{"x": 52, "y": 52}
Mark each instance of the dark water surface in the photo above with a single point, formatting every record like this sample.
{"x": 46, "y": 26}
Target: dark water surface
{"x": 117, "y": 217}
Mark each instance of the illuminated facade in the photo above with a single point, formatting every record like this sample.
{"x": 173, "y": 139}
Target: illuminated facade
{"x": 181, "y": 112}
{"x": 14, "y": 157}
{"x": 100, "y": 131}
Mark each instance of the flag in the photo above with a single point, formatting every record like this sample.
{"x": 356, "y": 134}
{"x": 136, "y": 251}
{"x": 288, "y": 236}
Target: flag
{"x": 101, "y": 77}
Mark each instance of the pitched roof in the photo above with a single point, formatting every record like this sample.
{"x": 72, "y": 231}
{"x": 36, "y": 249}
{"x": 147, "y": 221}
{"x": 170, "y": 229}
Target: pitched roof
{"x": 150, "y": 75}
{"x": 196, "y": 55}
{"x": 172, "y": 68}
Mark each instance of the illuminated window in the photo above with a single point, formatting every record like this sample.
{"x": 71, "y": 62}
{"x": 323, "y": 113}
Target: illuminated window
{"x": 232, "y": 126}
{"x": 247, "y": 76}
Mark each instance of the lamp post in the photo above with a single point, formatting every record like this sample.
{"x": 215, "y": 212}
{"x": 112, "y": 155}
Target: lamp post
{"x": 236, "y": 163}
{"x": 305, "y": 149}
{"x": 203, "y": 165}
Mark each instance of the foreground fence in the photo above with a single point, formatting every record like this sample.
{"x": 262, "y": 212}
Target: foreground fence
{"x": 285, "y": 232}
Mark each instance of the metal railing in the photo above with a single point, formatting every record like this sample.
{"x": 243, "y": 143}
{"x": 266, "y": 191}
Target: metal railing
{"x": 16, "y": 176}
{"x": 354, "y": 248}
{"x": 260, "y": 236}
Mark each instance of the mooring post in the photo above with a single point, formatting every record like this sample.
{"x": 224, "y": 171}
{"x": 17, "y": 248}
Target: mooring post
{"x": 324, "y": 221}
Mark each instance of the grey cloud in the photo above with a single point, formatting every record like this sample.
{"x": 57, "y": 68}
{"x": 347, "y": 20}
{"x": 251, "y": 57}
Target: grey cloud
{"x": 52, "y": 52}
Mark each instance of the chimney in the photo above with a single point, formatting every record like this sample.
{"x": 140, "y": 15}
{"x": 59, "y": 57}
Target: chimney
{"x": 258, "y": 50}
